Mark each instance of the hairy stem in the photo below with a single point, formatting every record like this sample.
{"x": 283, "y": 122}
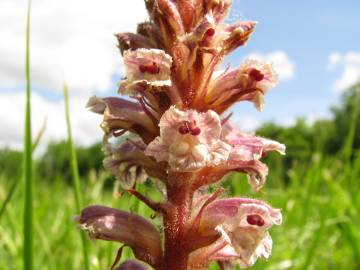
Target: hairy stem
{"x": 180, "y": 197}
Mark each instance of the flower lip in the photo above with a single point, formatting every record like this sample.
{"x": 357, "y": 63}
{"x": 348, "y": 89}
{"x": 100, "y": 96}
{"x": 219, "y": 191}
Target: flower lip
{"x": 255, "y": 220}
{"x": 256, "y": 74}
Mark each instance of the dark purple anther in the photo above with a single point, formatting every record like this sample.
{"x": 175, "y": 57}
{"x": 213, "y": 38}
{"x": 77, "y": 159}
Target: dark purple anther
{"x": 184, "y": 129}
{"x": 195, "y": 131}
{"x": 255, "y": 220}
{"x": 152, "y": 68}
{"x": 256, "y": 75}
{"x": 210, "y": 32}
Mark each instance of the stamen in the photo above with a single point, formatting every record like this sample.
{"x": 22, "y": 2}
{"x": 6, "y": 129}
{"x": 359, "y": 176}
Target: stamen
{"x": 188, "y": 127}
{"x": 255, "y": 220}
{"x": 152, "y": 68}
{"x": 256, "y": 75}
{"x": 210, "y": 32}
{"x": 184, "y": 129}
{"x": 195, "y": 131}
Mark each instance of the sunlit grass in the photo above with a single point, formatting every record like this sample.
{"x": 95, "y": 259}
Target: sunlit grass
{"x": 323, "y": 235}
{"x": 75, "y": 176}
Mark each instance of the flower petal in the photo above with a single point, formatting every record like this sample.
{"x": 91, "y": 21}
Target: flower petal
{"x": 219, "y": 8}
{"x": 130, "y": 41}
{"x": 120, "y": 114}
{"x": 150, "y": 65}
{"x": 250, "y": 82}
{"x": 115, "y": 225}
{"x": 233, "y": 212}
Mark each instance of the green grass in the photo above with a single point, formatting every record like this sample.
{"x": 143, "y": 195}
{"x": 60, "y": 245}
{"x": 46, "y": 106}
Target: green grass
{"x": 75, "y": 176}
{"x": 27, "y": 161}
{"x": 320, "y": 229}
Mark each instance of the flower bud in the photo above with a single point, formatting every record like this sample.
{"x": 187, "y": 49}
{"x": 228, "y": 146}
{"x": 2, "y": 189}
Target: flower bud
{"x": 115, "y": 225}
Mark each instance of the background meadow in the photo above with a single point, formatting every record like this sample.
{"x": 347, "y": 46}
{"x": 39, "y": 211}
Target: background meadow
{"x": 315, "y": 111}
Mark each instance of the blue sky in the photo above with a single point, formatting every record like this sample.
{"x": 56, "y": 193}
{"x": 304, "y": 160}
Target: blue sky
{"x": 320, "y": 39}
{"x": 309, "y": 32}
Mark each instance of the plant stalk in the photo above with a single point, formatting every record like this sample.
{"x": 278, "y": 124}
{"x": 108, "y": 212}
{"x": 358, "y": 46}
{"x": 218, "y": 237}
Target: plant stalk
{"x": 180, "y": 196}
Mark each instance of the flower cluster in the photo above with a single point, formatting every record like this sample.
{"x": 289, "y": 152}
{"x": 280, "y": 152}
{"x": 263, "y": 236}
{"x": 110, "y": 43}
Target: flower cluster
{"x": 181, "y": 136}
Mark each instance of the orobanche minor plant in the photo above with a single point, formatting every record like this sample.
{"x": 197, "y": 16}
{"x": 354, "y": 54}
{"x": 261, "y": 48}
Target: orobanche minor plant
{"x": 183, "y": 138}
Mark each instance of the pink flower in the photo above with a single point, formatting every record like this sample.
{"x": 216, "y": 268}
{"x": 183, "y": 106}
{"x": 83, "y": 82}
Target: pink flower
{"x": 250, "y": 82}
{"x": 260, "y": 76}
{"x": 151, "y": 66}
{"x": 115, "y": 225}
{"x": 189, "y": 140}
{"x": 243, "y": 228}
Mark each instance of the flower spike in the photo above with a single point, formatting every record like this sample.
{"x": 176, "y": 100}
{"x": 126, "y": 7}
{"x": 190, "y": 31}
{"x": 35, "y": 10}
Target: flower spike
{"x": 174, "y": 130}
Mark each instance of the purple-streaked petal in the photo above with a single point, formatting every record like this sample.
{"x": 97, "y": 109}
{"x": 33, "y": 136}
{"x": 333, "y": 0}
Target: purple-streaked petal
{"x": 120, "y": 114}
{"x": 115, "y": 225}
{"x": 234, "y": 212}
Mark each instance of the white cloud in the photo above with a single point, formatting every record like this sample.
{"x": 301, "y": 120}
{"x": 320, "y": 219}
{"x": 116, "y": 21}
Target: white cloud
{"x": 85, "y": 125}
{"x": 71, "y": 37}
{"x": 246, "y": 123}
{"x": 350, "y": 65}
{"x": 283, "y": 66}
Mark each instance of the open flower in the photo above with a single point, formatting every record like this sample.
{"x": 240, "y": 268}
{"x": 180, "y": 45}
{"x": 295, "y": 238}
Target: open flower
{"x": 250, "y": 82}
{"x": 115, "y": 225}
{"x": 260, "y": 76}
{"x": 151, "y": 66}
{"x": 189, "y": 140}
{"x": 243, "y": 228}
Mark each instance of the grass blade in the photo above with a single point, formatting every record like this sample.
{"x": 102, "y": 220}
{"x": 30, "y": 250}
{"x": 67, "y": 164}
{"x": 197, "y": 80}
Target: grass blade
{"x": 27, "y": 160}
{"x": 8, "y": 197}
{"x": 75, "y": 175}
{"x": 311, "y": 251}
{"x": 15, "y": 183}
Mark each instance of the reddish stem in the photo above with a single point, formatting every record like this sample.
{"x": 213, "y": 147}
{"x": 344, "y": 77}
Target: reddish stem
{"x": 180, "y": 197}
